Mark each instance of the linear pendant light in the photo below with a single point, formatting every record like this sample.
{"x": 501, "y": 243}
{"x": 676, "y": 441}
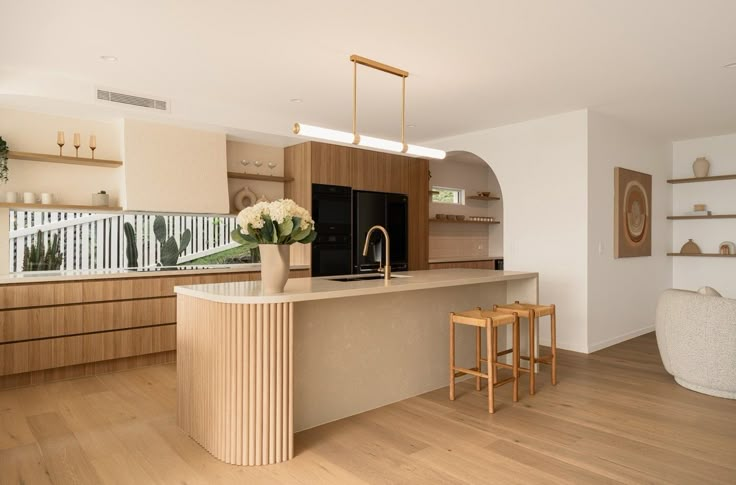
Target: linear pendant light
{"x": 311, "y": 131}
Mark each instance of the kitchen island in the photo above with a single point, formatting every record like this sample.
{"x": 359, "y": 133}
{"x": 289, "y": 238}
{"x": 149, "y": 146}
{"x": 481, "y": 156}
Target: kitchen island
{"x": 253, "y": 368}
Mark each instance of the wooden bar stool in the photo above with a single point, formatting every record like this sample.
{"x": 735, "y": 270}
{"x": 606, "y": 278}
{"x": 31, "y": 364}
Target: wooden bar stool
{"x": 532, "y": 313}
{"x": 490, "y": 320}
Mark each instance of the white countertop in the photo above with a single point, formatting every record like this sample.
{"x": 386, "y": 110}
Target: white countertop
{"x": 305, "y": 289}
{"x": 463, "y": 259}
{"x": 52, "y": 276}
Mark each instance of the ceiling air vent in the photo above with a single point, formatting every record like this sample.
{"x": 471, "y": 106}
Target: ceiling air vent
{"x": 129, "y": 99}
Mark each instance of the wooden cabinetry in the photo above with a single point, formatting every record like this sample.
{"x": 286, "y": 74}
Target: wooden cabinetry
{"x": 58, "y": 330}
{"x": 323, "y": 163}
{"x": 488, "y": 264}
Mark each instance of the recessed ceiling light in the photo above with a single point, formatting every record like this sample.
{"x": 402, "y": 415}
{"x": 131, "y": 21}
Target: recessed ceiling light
{"x": 109, "y": 58}
{"x": 729, "y": 66}
{"x": 296, "y": 100}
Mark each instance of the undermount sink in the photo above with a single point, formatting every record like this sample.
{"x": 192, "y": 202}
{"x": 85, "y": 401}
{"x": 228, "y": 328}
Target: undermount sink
{"x": 363, "y": 278}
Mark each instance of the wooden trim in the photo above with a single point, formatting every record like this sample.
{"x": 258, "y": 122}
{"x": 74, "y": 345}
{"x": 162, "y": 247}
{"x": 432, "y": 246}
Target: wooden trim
{"x": 263, "y": 178}
{"x": 704, "y": 255}
{"x": 718, "y": 216}
{"x": 464, "y": 221}
{"x": 702, "y": 179}
{"x": 42, "y": 157}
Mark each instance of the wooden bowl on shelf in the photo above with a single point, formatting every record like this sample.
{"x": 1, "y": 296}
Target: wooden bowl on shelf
{"x": 440, "y": 217}
{"x": 460, "y": 218}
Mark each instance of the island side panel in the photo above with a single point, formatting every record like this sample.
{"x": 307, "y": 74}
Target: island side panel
{"x": 359, "y": 353}
{"x": 235, "y": 379}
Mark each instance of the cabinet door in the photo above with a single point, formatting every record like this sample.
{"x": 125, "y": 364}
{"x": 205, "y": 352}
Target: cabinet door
{"x": 331, "y": 164}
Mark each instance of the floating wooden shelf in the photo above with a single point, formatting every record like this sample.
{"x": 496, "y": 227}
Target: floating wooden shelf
{"x": 253, "y": 176}
{"x": 480, "y": 197}
{"x": 465, "y": 221}
{"x": 42, "y": 157}
{"x": 705, "y": 255}
{"x": 716, "y": 216}
{"x": 433, "y": 192}
{"x": 702, "y": 179}
{"x": 60, "y": 207}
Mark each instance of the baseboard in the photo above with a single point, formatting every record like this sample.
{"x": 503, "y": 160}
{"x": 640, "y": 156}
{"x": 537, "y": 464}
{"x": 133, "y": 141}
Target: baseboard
{"x": 621, "y": 338}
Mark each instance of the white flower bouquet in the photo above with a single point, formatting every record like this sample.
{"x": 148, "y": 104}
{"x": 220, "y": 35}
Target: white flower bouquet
{"x": 278, "y": 222}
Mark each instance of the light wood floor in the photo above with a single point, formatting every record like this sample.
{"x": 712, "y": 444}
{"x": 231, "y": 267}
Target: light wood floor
{"x": 615, "y": 416}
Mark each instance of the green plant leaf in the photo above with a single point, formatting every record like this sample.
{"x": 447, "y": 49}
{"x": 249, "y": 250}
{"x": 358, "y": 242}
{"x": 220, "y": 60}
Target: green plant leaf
{"x": 285, "y": 229}
{"x": 237, "y": 236}
{"x": 311, "y": 237}
{"x": 169, "y": 252}
{"x": 301, "y": 234}
{"x": 186, "y": 238}
{"x": 159, "y": 229}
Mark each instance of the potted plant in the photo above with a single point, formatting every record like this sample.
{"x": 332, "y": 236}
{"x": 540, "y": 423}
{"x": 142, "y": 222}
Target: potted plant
{"x": 101, "y": 199}
{"x": 272, "y": 227}
{"x": 3, "y": 160}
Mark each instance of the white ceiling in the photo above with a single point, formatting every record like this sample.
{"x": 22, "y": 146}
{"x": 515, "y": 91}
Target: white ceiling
{"x": 656, "y": 64}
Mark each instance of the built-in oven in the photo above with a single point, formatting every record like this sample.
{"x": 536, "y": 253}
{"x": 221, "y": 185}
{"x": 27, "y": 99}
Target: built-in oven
{"x": 332, "y": 214}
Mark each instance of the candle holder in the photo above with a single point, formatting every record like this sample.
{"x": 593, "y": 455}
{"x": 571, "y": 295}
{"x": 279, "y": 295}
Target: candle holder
{"x": 77, "y": 143}
{"x": 60, "y": 141}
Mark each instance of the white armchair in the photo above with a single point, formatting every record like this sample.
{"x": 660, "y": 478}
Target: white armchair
{"x": 696, "y": 335}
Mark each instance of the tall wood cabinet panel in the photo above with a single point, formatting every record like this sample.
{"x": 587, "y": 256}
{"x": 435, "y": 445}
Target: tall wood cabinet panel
{"x": 418, "y": 177}
{"x": 298, "y": 166}
{"x": 331, "y": 164}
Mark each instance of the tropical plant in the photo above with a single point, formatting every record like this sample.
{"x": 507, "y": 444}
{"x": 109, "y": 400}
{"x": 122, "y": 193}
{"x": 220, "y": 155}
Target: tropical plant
{"x": 3, "y": 160}
{"x": 131, "y": 248}
{"x": 39, "y": 258}
{"x": 169, "y": 250}
{"x": 278, "y": 222}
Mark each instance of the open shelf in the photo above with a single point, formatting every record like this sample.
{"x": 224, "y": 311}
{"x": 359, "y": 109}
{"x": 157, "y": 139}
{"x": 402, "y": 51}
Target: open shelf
{"x": 480, "y": 197}
{"x": 705, "y": 255}
{"x": 60, "y": 207}
{"x": 464, "y": 221}
{"x": 42, "y": 157}
{"x": 253, "y": 176}
{"x": 434, "y": 192}
{"x": 702, "y": 179}
{"x": 716, "y": 216}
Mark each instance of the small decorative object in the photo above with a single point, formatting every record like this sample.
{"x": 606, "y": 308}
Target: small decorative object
{"x": 484, "y": 194}
{"x": 632, "y": 213}
{"x": 39, "y": 258}
{"x": 491, "y": 219}
{"x": 727, "y": 247}
{"x": 168, "y": 249}
{"x": 272, "y": 227}
{"x": 101, "y": 198}
{"x": 701, "y": 167}
{"x": 441, "y": 217}
{"x": 77, "y": 143}
{"x": 47, "y": 198}
{"x": 29, "y": 198}
{"x": 699, "y": 207}
{"x": 3, "y": 160}
{"x": 258, "y": 164}
{"x": 60, "y": 140}
{"x": 131, "y": 246}
{"x": 245, "y": 164}
{"x": 11, "y": 197}
{"x": 460, "y": 218}
{"x": 93, "y": 144}
{"x": 272, "y": 165}
{"x": 241, "y": 199}
{"x": 690, "y": 248}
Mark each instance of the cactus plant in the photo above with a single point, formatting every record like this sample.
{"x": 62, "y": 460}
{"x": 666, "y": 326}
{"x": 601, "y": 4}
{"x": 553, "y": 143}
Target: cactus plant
{"x": 169, "y": 250}
{"x": 3, "y": 160}
{"x": 131, "y": 249}
{"x": 39, "y": 258}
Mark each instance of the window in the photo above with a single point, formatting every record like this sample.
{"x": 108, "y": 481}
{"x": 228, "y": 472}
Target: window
{"x": 448, "y": 195}
{"x": 97, "y": 241}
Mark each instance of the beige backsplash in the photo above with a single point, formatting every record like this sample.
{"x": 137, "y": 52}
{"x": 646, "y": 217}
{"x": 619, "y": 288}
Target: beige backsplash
{"x": 457, "y": 246}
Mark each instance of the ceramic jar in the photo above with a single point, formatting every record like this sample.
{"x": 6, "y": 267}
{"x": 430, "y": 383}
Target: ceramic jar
{"x": 701, "y": 167}
{"x": 275, "y": 265}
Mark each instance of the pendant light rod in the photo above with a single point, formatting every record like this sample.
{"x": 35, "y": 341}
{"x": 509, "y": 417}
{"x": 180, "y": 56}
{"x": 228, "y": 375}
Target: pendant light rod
{"x": 364, "y": 61}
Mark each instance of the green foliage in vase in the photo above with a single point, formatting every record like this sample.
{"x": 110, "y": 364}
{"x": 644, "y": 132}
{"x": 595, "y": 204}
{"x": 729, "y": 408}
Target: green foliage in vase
{"x": 278, "y": 222}
{"x": 4, "y": 150}
{"x": 169, "y": 250}
{"x": 131, "y": 247}
{"x": 38, "y": 257}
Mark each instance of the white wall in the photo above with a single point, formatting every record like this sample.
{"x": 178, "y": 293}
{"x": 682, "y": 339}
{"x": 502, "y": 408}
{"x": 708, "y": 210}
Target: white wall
{"x": 237, "y": 151}
{"x": 542, "y": 166}
{"x": 465, "y": 240}
{"x": 720, "y": 197}
{"x": 622, "y": 293}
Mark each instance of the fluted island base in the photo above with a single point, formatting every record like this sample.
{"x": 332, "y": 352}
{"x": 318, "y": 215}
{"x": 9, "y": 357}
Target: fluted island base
{"x": 235, "y": 378}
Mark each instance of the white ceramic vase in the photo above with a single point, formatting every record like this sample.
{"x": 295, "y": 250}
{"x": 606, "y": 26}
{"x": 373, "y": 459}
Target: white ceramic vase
{"x": 275, "y": 265}
{"x": 701, "y": 167}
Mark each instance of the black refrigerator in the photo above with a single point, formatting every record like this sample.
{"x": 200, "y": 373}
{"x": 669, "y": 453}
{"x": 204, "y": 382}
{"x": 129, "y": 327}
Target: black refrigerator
{"x": 384, "y": 209}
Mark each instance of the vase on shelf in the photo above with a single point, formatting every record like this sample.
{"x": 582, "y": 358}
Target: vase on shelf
{"x": 701, "y": 167}
{"x": 690, "y": 247}
{"x": 275, "y": 263}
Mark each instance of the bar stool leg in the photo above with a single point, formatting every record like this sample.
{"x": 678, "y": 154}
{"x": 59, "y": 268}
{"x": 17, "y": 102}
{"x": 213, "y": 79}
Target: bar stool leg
{"x": 477, "y": 357}
{"x": 452, "y": 357}
{"x": 495, "y": 353}
{"x": 491, "y": 346}
{"x": 515, "y": 363}
{"x": 532, "y": 356}
{"x": 553, "y": 330}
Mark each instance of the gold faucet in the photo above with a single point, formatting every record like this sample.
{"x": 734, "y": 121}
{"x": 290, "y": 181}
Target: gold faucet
{"x": 387, "y": 268}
